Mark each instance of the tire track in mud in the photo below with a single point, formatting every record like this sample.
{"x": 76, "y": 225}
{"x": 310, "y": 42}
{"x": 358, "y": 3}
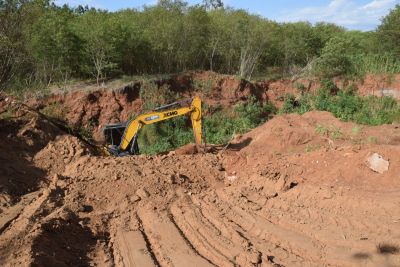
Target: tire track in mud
{"x": 169, "y": 247}
{"x": 299, "y": 248}
{"x": 272, "y": 251}
{"x": 14, "y": 212}
{"x": 186, "y": 238}
{"x": 11, "y": 237}
{"x": 218, "y": 246}
{"x": 147, "y": 241}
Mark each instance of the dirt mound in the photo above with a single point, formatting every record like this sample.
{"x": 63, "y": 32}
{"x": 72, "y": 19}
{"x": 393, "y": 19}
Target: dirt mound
{"x": 20, "y": 139}
{"x": 371, "y": 84}
{"x": 380, "y": 85}
{"x": 313, "y": 130}
{"x": 315, "y": 143}
{"x": 64, "y": 150}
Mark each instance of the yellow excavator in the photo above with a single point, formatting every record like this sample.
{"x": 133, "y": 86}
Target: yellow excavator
{"x": 122, "y": 138}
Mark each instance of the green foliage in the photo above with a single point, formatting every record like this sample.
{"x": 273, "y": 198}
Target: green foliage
{"x": 375, "y": 63}
{"x": 346, "y": 105}
{"x": 321, "y": 130}
{"x": 389, "y": 32}
{"x": 335, "y": 57}
{"x": 300, "y": 105}
{"x": 253, "y": 113}
{"x": 43, "y": 44}
{"x": 54, "y": 110}
{"x": 301, "y": 87}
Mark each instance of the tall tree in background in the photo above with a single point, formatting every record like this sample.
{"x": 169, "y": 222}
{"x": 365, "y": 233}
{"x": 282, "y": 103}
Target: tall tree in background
{"x": 389, "y": 31}
{"x": 11, "y": 39}
{"x": 212, "y": 4}
{"x": 94, "y": 30}
{"x": 54, "y": 45}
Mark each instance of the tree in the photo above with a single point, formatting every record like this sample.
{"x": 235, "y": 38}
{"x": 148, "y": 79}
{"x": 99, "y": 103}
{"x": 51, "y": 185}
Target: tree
{"x": 94, "y": 29}
{"x": 163, "y": 28}
{"x": 389, "y": 31}
{"x": 10, "y": 44}
{"x": 54, "y": 46}
{"x": 335, "y": 58}
{"x": 196, "y": 35}
{"x": 212, "y": 4}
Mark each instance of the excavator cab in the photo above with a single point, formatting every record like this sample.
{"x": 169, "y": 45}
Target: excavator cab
{"x": 122, "y": 138}
{"x": 113, "y": 135}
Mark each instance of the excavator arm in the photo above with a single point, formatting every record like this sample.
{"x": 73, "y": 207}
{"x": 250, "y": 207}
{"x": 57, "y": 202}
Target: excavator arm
{"x": 131, "y": 128}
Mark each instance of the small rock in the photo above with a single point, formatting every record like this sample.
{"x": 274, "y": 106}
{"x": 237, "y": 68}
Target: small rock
{"x": 61, "y": 184}
{"x": 182, "y": 178}
{"x": 171, "y": 179}
{"x": 255, "y": 257}
{"x": 142, "y": 193}
{"x": 231, "y": 178}
{"x": 135, "y": 198}
{"x": 116, "y": 177}
{"x": 377, "y": 163}
{"x": 280, "y": 184}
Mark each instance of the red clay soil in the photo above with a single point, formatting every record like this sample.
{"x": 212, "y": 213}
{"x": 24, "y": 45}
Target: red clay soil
{"x": 96, "y": 108}
{"x": 296, "y": 191}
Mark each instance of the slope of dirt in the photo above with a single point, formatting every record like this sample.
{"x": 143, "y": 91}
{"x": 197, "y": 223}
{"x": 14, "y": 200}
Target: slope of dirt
{"x": 296, "y": 191}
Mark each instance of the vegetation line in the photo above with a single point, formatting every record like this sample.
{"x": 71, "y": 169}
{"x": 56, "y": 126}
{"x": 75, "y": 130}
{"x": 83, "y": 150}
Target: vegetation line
{"x": 44, "y": 45}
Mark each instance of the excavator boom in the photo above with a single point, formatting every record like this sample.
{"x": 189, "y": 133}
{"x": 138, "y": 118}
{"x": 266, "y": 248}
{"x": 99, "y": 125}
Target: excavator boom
{"x": 122, "y": 138}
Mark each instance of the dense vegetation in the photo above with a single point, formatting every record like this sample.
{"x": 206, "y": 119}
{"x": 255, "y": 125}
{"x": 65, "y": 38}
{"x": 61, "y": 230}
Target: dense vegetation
{"x": 41, "y": 43}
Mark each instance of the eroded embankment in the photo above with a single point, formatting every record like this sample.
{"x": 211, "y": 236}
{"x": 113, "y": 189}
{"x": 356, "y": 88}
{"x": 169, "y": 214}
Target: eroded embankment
{"x": 95, "y": 107}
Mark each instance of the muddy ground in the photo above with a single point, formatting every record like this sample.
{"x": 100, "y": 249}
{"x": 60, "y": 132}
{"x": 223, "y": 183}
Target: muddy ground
{"x": 296, "y": 191}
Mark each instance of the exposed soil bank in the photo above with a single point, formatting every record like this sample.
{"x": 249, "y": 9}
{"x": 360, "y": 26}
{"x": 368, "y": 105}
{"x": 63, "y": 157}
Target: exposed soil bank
{"x": 94, "y": 108}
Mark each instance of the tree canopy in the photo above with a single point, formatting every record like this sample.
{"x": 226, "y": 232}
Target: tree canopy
{"x": 41, "y": 42}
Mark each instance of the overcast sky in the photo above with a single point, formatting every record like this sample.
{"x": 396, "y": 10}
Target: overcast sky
{"x": 352, "y": 14}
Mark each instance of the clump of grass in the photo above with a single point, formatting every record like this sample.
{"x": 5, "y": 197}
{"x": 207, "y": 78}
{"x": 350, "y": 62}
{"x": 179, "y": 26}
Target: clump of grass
{"x": 54, "y": 110}
{"x": 356, "y": 130}
{"x": 331, "y": 132}
{"x": 375, "y": 63}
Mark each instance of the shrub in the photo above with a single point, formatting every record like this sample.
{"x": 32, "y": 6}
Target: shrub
{"x": 346, "y": 105}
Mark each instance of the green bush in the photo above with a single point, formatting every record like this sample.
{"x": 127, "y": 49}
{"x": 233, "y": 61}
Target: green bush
{"x": 346, "y": 105}
{"x": 335, "y": 57}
